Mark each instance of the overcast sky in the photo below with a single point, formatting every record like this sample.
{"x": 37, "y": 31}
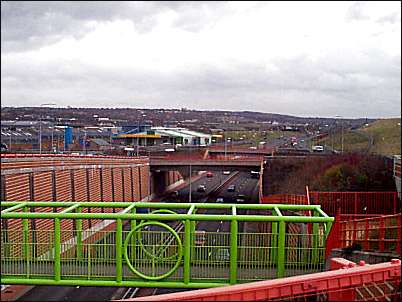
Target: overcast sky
{"x": 304, "y": 58}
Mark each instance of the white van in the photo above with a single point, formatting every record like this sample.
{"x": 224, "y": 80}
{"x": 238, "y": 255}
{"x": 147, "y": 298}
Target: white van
{"x": 317, "y": 148}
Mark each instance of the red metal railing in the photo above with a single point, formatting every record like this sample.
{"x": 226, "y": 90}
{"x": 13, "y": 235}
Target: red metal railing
{"x": 373, "y": 233}
{"x": 346, "y": 282}
{"x": 381, "y": 234}
{"x": 356, "y": 202}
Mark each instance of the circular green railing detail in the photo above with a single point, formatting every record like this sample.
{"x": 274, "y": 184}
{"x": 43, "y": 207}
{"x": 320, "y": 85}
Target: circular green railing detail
{"x": 179, "y": 246}
{"x": 139, "y": 237}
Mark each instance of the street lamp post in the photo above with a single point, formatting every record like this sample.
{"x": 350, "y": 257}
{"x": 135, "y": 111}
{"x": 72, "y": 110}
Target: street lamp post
{"x": 338, "y": 116}
{"x": 51, "y": 147}
{"x": 224, "y": 141}
{"x": 40, "y": 133}
{"x": 85, "y": 141}
{"x": 190, "y": 187}
{"x": 40, "y": 126}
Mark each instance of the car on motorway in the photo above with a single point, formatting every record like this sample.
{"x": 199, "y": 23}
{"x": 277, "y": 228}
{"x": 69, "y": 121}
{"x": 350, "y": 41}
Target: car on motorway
{"x": 4, "y": 147}
{"x": 201, "y": 188}
{"x": 240, "y": 198}
{"x": 231, "y": 188}
{"x": 220, "y": 200}
{"x": 143, "y": 210}
{"x": 210, "y": 174}
{"x": 317, "y": 148}
{"x": 200, "y": 237}
{"x": 255, "y": 174}
{"x": 226, "y": 172}
{"x": 222, "y": 255}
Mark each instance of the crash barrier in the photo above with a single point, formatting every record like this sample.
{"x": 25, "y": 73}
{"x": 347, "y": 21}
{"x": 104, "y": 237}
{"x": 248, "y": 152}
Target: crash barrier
{"x": 285, "y": 199}
{"x": 347, "y": 281}
{"x": 67, "y": 155}
{"x": 20, "y": 163}
{"x": 200, "y": 157}
{"x": 157, "y": 244}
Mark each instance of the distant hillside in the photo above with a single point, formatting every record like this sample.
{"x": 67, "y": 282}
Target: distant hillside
{"x": 380, "y": 137}
{"x": 159, "y": 117}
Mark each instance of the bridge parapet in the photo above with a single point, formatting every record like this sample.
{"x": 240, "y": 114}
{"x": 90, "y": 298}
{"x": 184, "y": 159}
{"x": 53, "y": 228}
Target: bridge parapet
{"x": 157, "y": 244}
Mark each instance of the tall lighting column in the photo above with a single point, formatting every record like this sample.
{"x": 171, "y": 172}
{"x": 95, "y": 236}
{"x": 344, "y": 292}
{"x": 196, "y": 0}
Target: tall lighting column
{"x": 40, "y": 126}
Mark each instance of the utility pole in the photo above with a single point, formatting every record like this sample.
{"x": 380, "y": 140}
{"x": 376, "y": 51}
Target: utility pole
{"x": 342, "y": 137}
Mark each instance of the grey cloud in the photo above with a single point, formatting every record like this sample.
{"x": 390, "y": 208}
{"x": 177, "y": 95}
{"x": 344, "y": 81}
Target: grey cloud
{"x": 391, "y": 18}
{"x": 199, "y": 16}
{"x": 349, "y": 87}
{"x": 356, "y": 12}
{"x": 27, "y": 24}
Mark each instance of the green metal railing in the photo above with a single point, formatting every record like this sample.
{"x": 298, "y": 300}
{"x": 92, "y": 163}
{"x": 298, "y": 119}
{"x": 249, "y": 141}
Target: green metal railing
{"x": 49, "y": 243}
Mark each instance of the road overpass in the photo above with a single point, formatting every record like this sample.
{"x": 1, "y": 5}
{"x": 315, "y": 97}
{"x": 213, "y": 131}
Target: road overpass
{"x": 203, "y": 165}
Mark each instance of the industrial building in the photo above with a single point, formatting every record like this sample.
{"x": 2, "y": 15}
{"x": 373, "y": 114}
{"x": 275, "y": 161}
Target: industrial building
{"x": 166, "y": 135}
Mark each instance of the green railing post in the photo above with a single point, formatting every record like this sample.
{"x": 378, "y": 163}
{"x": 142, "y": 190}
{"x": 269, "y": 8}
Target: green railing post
{"x": 274, "y": 242}
{"x": 315, "y": 253}
{"x": 328, "y": 229}
{"x": 281, "y": 250}
{"x": 89, "y": 261}
{"x": 119, "y": 252}
{"x": 57, "y": 250}
{"x": 78, "y": 229}
{"x": 25, "y": 227}
{"x": 192, "y": 224}
{"x": 187, "y": 251}
{"x": 274, "y": 237}
{"x": 233, "y": 251}
{"x": 133, "y": 224}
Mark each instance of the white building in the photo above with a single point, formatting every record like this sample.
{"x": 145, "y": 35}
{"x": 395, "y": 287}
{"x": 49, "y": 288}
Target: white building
{"x": 167, "y": 135}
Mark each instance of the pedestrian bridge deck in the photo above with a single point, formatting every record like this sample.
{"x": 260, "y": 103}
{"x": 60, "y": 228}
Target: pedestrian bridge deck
{"x": 151, "y": 245}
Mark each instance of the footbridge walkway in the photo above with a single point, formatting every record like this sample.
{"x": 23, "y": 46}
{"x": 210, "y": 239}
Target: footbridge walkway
{"x": 143, "y": 247}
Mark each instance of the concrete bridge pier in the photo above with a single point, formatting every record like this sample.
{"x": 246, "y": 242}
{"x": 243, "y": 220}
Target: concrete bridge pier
{"x": 185, "y": 172}
{"x": 159, "y": 181}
